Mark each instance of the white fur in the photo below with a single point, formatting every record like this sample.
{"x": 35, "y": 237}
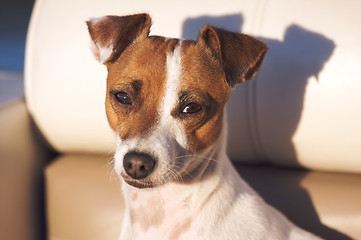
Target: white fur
{"x": 105, "y": 52}
{"x": 219, "y": 207}
{"x": 102, "y": 53}
{"x": 174, "y": 70}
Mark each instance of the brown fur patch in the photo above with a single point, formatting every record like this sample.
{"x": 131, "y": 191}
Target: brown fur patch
{"x": 203, "y": 77}
{"x": 117, "y": 33}
{"x": 240, "y": 55}
{"x": 142, "y": 64}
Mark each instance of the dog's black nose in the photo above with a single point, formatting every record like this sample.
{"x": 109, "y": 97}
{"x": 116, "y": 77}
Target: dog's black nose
{"x": 138, "y": 165}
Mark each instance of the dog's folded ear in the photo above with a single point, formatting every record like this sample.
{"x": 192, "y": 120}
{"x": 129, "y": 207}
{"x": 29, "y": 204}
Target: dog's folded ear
{"x": 240, "y": 55}
{"x": 111, "y": 35}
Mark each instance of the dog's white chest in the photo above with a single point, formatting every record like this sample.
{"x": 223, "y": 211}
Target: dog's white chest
{"x": 159, "y": 215}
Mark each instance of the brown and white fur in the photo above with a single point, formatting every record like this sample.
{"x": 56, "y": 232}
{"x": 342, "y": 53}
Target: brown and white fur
{"x": 165, "y": 102}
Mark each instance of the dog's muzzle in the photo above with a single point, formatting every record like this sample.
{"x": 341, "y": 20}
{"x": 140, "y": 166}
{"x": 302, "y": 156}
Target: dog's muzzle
{"x": 138, "y": 165}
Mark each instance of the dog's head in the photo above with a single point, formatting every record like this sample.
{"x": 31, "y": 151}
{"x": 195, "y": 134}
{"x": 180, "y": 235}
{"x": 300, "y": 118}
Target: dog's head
{"x": 165, "y": 97}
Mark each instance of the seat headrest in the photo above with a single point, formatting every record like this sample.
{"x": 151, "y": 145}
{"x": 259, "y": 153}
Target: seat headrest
{"x": 303, "y": 109}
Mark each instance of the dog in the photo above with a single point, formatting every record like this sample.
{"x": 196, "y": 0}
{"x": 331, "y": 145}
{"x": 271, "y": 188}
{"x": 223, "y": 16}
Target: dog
{"x": 165, "y": 102}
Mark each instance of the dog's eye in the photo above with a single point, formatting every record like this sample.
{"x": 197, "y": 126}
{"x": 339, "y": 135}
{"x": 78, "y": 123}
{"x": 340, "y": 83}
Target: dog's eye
{"x": 192, "y": 108}
{"x": 123, "y": 98}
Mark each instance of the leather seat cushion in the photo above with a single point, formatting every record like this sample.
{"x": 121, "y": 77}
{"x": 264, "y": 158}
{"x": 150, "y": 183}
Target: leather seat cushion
{"x": 84, "y": 199}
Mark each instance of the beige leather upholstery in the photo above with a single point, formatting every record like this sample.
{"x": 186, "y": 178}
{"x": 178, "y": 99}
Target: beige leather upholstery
{"x": 84, "y": 200}
{"x": 301, "y": 110}
{"x": 22, "y": 160}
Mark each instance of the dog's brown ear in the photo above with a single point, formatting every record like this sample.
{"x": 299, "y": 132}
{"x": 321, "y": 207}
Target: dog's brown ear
{"x": 240, "y": 55}
{"x": 111, "y": 35}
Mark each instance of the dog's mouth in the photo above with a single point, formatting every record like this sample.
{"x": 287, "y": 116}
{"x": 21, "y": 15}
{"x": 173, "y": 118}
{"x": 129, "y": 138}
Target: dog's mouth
{"x": 142, "y": 183}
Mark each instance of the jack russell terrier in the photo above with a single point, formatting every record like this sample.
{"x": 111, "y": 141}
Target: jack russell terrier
{"x": 165, "y": 102}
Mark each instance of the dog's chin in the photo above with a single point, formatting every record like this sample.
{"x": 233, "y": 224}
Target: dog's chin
{"x": 140, "y": 183}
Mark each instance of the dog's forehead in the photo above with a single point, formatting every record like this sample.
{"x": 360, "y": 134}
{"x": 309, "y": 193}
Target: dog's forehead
{"x": 146, "y": 61}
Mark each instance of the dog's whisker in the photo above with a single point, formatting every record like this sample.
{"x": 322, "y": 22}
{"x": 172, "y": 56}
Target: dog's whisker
{"x": 179, "y": 171}
{"x": 110, "y": 165}
{"x": 196, "y": 156}
{"x": 174, "y": 173}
